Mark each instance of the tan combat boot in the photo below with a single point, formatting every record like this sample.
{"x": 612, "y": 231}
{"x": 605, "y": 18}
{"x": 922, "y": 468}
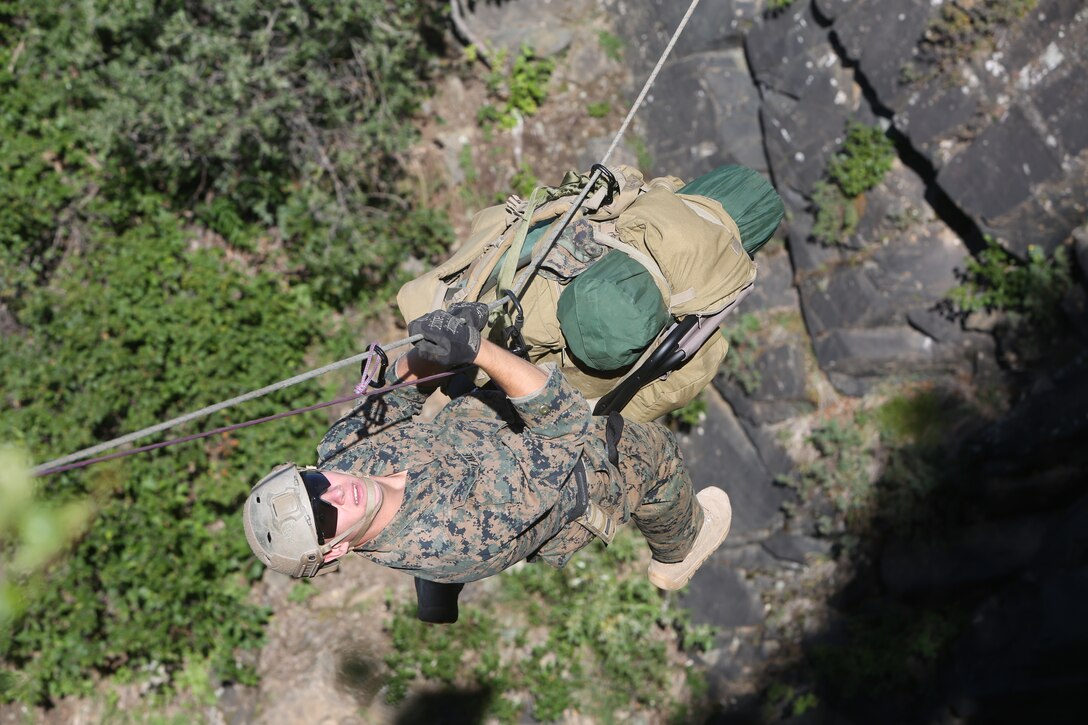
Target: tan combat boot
{"x": 717, "y": 515}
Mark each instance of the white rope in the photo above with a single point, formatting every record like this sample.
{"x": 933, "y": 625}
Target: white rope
{"x": 166, "y": 425}
{"x": 650, "y": 80}
{"x": 538, "y": 257}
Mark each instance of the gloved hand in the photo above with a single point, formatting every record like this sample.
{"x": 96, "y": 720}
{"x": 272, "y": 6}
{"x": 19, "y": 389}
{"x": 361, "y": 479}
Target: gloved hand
{"x": 448, "y": 340}
{"x": 474, "y": 313}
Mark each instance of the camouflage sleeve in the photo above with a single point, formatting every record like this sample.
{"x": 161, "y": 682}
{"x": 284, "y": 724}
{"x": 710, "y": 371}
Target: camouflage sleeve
{"x": 373, "y": 414}
{"x": 556, "y": 410}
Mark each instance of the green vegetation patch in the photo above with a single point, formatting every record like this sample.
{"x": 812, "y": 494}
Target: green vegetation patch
{"x": 593, "y": 636}
{"x": 740, "y": 363}
{"x": 518, "y": 91}
{"x": 866, "y": 157}
{"x": 611, "y": 45}
{"x": 777, "y": 6}
{"x": 886, "y": 647}
{"x": 998, "y": 280}
{"x": 190, "y": 195}
{"x": 960, "y": 29}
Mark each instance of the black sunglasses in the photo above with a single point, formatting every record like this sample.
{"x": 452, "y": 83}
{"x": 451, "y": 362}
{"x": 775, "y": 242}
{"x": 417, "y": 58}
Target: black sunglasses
{"x": 324, "y": 512}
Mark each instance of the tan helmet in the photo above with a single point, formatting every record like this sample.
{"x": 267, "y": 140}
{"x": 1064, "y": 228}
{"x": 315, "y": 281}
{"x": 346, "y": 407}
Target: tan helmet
{"x": 279, "y": 522}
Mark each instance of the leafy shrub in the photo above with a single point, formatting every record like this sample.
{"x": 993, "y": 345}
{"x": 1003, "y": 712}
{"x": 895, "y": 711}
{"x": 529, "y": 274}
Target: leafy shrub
{"x": 519, "y": 91}
{"x": 139, "y": 331}
{"x": 189, "y": 193}
{"x": 836, "y": 214}
{"x": 33, "y": 532}
{"x": 866, "y": 156}
{"x": 997, "y": 280}
{"x": 589, "y": 636}
{"x": 273, "y": 113}
{"x": 740, "y": 363}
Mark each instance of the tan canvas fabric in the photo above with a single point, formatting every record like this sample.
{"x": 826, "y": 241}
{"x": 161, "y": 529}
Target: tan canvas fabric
{"x": 690, "y": 244}
{"x": 704, "y": 264}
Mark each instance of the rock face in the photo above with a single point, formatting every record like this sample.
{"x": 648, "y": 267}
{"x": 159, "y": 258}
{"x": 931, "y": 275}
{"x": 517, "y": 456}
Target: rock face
{"x": 991, "y": 139}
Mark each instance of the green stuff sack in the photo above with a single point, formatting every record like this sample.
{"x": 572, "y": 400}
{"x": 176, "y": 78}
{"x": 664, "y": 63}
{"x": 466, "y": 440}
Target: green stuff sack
{"x": 611, "y": 312}
{"x": 747, "y": 197}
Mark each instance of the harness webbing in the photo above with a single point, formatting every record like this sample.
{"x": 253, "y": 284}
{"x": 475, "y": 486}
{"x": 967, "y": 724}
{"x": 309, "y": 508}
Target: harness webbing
{"x": 59, "y": 464}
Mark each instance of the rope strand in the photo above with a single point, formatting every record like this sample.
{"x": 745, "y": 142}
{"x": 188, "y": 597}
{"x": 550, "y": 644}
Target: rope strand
{"x": 237, "y": 426}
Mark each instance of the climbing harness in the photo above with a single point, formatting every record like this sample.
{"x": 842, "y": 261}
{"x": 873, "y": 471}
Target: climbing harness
{"x": 598, "y": 171}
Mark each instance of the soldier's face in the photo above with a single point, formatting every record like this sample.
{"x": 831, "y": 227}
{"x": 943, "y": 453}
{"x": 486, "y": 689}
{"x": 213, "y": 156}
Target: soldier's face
{"x": 348, "y": 495}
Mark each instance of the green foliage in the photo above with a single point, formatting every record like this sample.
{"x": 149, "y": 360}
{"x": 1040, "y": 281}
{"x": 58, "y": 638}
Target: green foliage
{"x": 141, "y": 330}
{"x": 189, "y": 193}
{"x": 960, "y": 29}
{"x": 642, "y": 153}
{"x": 920, "y": 419}
{"x": 590, "y": 636}
{"x": 784, "y": 701}
{"x": 266, "y": 112}
{"x": 32, "y": 531}
{"x": 887, "y": 647}
{"x": 841, "y": 473}
{"x": 690, "y": 415}
{"x": 599, "y": 109}
{"x": 518, "y": 92}
{"x": 777, "y": 6}
{"x": 611, "y": 45}
{"x": 740, "y": 363}
{"x": 524, "y": 181}
{"x": 866, "y": 156}
{"x": 997, "y": 280}
{"x": 836, "y": 215}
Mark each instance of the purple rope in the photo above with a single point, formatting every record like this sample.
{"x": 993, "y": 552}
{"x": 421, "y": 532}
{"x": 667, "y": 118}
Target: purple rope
{"x": 246, "y": 424}
{"x": 369, "y": 370}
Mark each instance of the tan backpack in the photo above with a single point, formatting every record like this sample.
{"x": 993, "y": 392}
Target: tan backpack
{"x": 690, "y": 246}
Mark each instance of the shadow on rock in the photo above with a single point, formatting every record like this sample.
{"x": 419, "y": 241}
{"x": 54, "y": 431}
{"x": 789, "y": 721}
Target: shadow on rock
{"x": 967, "y": 570}
{"x": 446, "y": 707}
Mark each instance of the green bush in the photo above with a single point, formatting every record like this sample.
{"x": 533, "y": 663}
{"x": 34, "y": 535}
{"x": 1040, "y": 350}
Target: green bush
{"x": 518, "y": 90}
{"x": 589, "y": 636}
{"x": 836, "y": 214}
{"x": 740, "y": 363}
{"x": 270, "y": 112}
{"x": 140, "y": 330}
{"x": 997, "y": 280}
{"x": 866, "y": 156}
{"x": 190, "y": 193}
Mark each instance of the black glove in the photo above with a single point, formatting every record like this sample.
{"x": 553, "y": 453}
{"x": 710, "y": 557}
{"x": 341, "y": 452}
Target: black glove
{"x": 447, "y": 339}
{"x": 474, "y": 313}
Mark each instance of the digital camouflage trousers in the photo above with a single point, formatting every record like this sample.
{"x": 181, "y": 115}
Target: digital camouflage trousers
{"x": 652, "y": 488}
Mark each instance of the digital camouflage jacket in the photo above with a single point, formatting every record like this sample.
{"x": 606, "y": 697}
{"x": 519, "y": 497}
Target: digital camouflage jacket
{"x": 486, "y": 480}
